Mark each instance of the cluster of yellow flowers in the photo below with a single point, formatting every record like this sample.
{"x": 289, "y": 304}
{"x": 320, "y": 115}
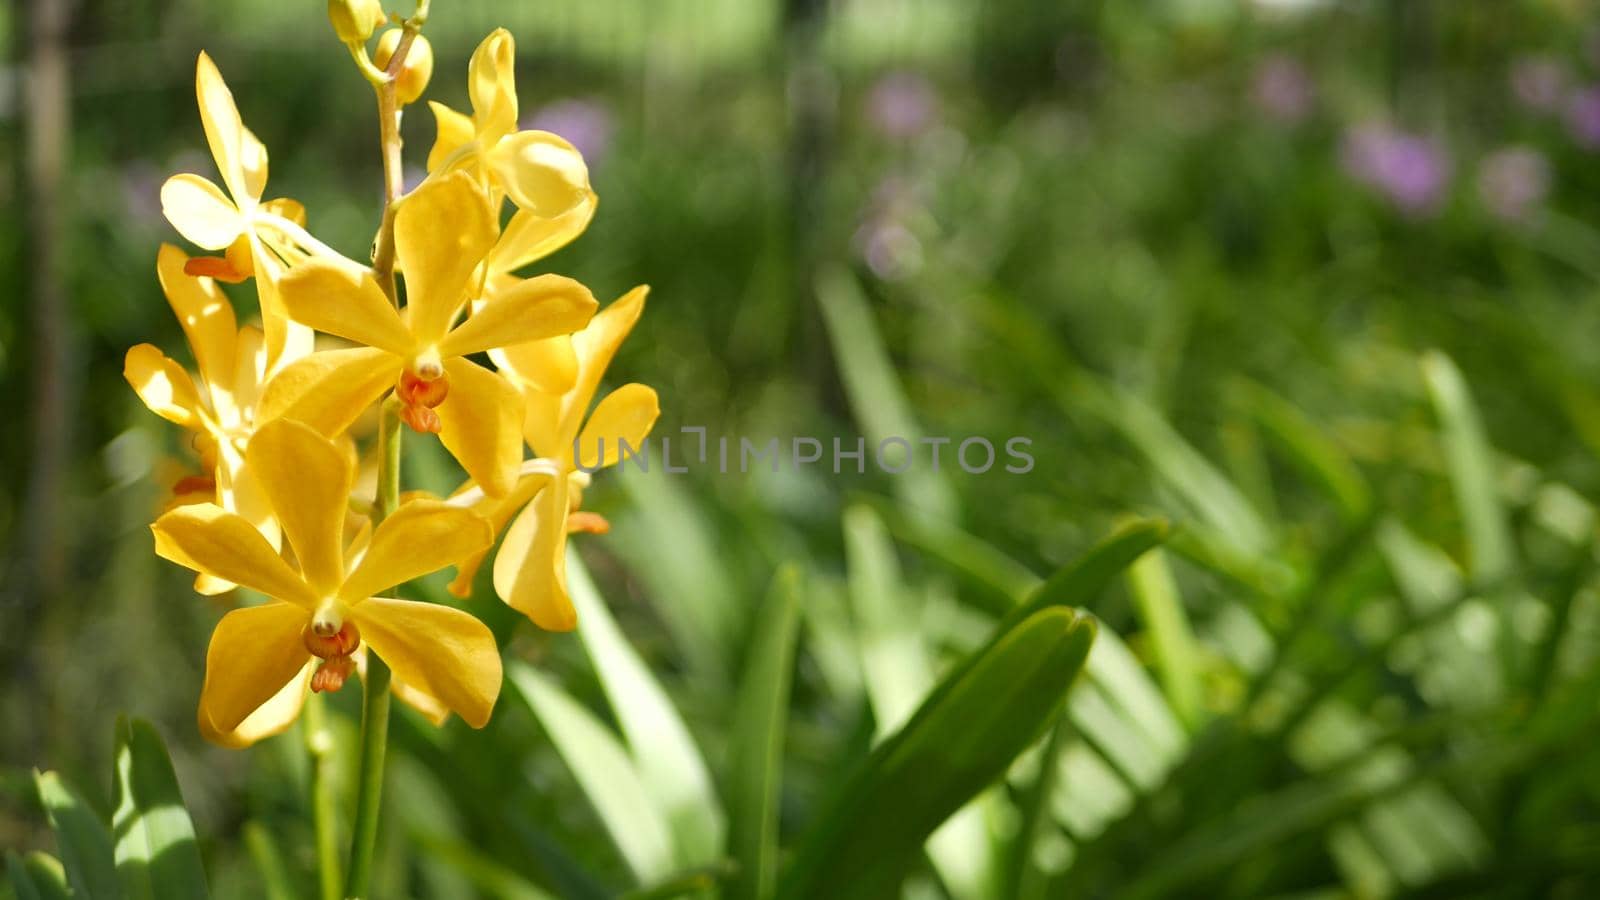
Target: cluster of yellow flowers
{"x": 280, "y": 508}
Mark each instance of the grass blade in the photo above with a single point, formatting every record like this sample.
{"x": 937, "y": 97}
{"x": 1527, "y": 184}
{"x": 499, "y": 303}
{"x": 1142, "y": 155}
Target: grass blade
{"x": 603, "y": 769}
{"x": 664, "y": 753}
{"x": 1172, "y": 645}
{"x": 756, "y": 757}
{"x": 1307, "y": 448}
{"x": 276, "y": 882}
{"x": 873, "y": 388}
{"x": 1472, "y": 470}
{"x": 1215, "y": 499}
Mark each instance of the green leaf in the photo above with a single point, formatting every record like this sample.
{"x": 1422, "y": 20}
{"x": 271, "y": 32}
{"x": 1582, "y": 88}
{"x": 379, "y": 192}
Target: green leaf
{"x": 1472, "y": 470}
{"x": 37, "y": 876}
{"x": 889, "y": 641}
{"x": 960, "y": 740}
{"x": 1491, "y": 551}
{"x": 874, "y": 391}
{"x": 1215, "y": 499}
{"x": 605, "y": 772}
{"x": 157, "y": 858}
{"x": 84, "y": 842}
{"x": 899, "y": 671}
{"x": 666, "y": 538}
{"x": 696, "y": 882}
{"x": 755, "y": 759}
{"x": 264, "y": 852}
{"x": 997, "y": 581}
{"x": 1081, "y": 580}
{"x": 1307, "y": 448}
{"x": 492, "y": 878}
{"x": 1173, "y": 651}
{"x": 665, "y": 755}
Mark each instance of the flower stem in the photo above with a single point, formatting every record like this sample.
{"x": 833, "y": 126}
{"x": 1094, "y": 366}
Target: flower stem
{"x": 319, "y": 741}
{"x": 375, "y": 700}
{"x": 393, "y": 178}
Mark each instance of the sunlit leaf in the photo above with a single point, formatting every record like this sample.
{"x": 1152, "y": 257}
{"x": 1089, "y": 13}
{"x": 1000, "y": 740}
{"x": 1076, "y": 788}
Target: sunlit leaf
{"x": 960, "y": 740}
{"x": 664, "y": 753}
{"x": 604, "y": 770}
{"x": 84, "y": 842}
{"x": 37, "y": 876}
{"x": 1472, "y": 469}
{"x": 1173, "y": 651}
{"x": 157, "y": 858}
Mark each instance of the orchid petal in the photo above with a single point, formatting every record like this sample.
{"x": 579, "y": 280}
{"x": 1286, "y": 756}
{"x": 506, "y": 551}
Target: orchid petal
{"x": 419, "y": 538}
{"x": 255, "y": 653}
{"x": 200, "y": 211}
{"x": 307, "y": 479}
{"x": 534, "y": 309}
{"x": 442, "y": 231}
{"x": 530, "y": 569}
{"x": 209, "y": 539}
{"x": 330, "y": 389}
{"x": 163, "y": 385}
{"x": 481, "y": 423}
{"x": 336, "y": 299}
{"x": 438, "y": 650}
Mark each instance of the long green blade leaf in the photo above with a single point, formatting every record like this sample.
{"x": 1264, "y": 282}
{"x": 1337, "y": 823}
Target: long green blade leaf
{"x": 670, "y": 765}
{"x": 1472, "y": 469}
{"x": 604, "y": 771}
{"x": 960, "y": 740}
{"x": 1172, "y": 644}
{"x": 157, "y": 858}
{"x": 38, "y": 876}
{"x": 1308, "y": 448}
{"x": 756, "y": 757}
{"x": 1215, "y": 499}
{"x": 873, "y": 388}
{"x": 84, "y": 842}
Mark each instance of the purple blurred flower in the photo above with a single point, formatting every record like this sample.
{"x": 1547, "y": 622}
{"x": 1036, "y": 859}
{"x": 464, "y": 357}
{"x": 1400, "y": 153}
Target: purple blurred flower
{"x": 1411, "y": 170}
{"x": 587, "y": 124}
{"x": 902, "y": 104}
{"x": 890, "y": 250}
{"x": 1513, "y": 182}
{"x": 1539, "y": 83}
{"x": 885, "y": 240}
{"x": 141, "y": 192}
{"x": 1283, "y": 89}
{"x": 1583, "y": 117}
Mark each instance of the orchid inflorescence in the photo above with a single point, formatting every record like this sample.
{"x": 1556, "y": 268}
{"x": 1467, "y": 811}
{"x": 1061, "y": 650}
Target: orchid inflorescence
{"x": 278, "y": 506}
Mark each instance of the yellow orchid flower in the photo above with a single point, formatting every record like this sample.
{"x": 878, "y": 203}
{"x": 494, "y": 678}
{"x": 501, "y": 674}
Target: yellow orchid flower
{"x": 530, "y": 567}
{"x": 220, "y": 409}
{"x": 540, "y": 172}
{"x": 259, "y": 237}
{"x": 262, "y": 659}
{"x": 539, "y": 227}
{"x": 442, "y": 231}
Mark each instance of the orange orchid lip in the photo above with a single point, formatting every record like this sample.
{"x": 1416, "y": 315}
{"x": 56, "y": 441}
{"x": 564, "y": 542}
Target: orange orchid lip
{"x": 218, "y": 267}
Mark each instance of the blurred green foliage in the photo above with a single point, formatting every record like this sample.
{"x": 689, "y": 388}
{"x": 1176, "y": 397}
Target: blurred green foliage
{"x": 1142, "y": 235}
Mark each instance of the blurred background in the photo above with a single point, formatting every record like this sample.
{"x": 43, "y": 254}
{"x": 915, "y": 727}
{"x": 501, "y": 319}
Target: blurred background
{"x": 1315, "y": 281}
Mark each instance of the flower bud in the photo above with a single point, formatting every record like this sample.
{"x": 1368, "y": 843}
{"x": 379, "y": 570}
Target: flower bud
{"x": 413, "y": 77}
{"x": 355, "y": 20}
